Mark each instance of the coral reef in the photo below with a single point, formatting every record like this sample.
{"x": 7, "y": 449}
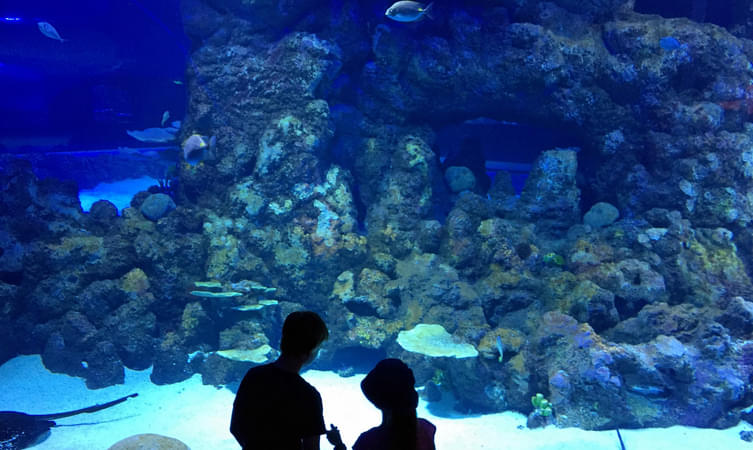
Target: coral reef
{"x": 149, "y": 440}
{"x": 617, "y": 285}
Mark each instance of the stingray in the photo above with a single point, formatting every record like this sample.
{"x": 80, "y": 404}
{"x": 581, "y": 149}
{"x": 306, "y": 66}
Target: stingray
{"x": 20, "y": 430}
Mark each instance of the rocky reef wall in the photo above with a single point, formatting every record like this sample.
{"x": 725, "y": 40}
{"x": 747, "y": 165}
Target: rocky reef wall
{"x": 617, "y": 283}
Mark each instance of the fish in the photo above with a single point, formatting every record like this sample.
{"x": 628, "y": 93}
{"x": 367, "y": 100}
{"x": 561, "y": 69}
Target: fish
{"x": 165, "y": 117}
{"x": 197, "y": 148}
{"x": 648, "y": 390}
{"x": 501, "y": 349}
{"x": 153, "y": 134}
{"x": 20, "y": 430}
{"x": 408, "y": 11}
{"x": 48, "y": 30}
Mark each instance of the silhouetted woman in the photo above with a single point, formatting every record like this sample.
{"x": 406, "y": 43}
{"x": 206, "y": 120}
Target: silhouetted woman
{"x": 390, "y": 387}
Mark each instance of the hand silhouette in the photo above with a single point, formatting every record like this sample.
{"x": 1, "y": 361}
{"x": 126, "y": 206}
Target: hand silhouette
{"x": 333, "y": 436}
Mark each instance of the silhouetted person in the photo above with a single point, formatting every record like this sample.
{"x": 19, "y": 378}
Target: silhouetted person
{"x": 275, "y": 408}
{"x": 389, "y": 386}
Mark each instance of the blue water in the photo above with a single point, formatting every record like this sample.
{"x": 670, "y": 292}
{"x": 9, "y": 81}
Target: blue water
{"x": 661, "y": 132}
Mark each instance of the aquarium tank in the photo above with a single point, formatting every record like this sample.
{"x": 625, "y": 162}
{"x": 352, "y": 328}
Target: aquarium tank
{"x": 543, "y": 208}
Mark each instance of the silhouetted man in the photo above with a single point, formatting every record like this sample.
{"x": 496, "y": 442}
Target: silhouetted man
{"x": 275, "y": 408}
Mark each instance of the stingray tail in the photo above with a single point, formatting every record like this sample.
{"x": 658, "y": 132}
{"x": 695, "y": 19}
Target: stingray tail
{"x": 89, "y": 409}
{"x": 619, "y": 436}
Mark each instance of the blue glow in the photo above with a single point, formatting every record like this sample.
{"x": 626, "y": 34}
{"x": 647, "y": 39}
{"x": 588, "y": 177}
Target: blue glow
{"x": 119, "y": 193}
{"x": 12, "y": 19}
{"x": 669, "y": 43}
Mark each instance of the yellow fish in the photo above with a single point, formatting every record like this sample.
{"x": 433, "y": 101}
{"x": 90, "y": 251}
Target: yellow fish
{"x": 197, "y": 148}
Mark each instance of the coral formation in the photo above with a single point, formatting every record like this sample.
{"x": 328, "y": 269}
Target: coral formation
{"x": 433, "y": 340}
{"x": 617, "y": 284}
{"x": 148, "y": 440}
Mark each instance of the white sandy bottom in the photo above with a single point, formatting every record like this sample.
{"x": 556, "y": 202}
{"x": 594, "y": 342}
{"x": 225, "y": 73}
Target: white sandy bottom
{"x": 199, "y": 416}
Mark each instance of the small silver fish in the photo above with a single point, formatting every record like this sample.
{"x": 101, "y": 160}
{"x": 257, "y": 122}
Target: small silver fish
{"x": 648, "y": 390}
{"x": 165, "y": 117}
{"x": 408, "y": 11}
{"x": 500, "y": 348}
{"x": 48, "y": 30}
{"x": 197, "y": 148}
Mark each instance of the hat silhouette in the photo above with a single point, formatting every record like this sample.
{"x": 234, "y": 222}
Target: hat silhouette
{"x": 389, "y": 385}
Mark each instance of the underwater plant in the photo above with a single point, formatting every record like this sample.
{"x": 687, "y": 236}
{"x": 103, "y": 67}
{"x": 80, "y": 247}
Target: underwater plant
{"x": 554, "y": 259}
{"x": 167, "y": 183}
{"x": 438, "y": 377}
{"x": 541, "y": 405}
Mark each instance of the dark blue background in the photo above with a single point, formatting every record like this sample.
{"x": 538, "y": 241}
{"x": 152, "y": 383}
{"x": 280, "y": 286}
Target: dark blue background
{"x": 115, "y": 71}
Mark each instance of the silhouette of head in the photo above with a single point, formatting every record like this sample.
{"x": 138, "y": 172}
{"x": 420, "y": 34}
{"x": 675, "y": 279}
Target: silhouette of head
{"x": 302, "y": 332}
{"x": 389, "y": 385}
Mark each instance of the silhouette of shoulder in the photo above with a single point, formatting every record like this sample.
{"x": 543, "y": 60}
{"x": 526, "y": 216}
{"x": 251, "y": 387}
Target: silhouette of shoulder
{"x": 376, "y": 438}
{"x": 275, "y": 408}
